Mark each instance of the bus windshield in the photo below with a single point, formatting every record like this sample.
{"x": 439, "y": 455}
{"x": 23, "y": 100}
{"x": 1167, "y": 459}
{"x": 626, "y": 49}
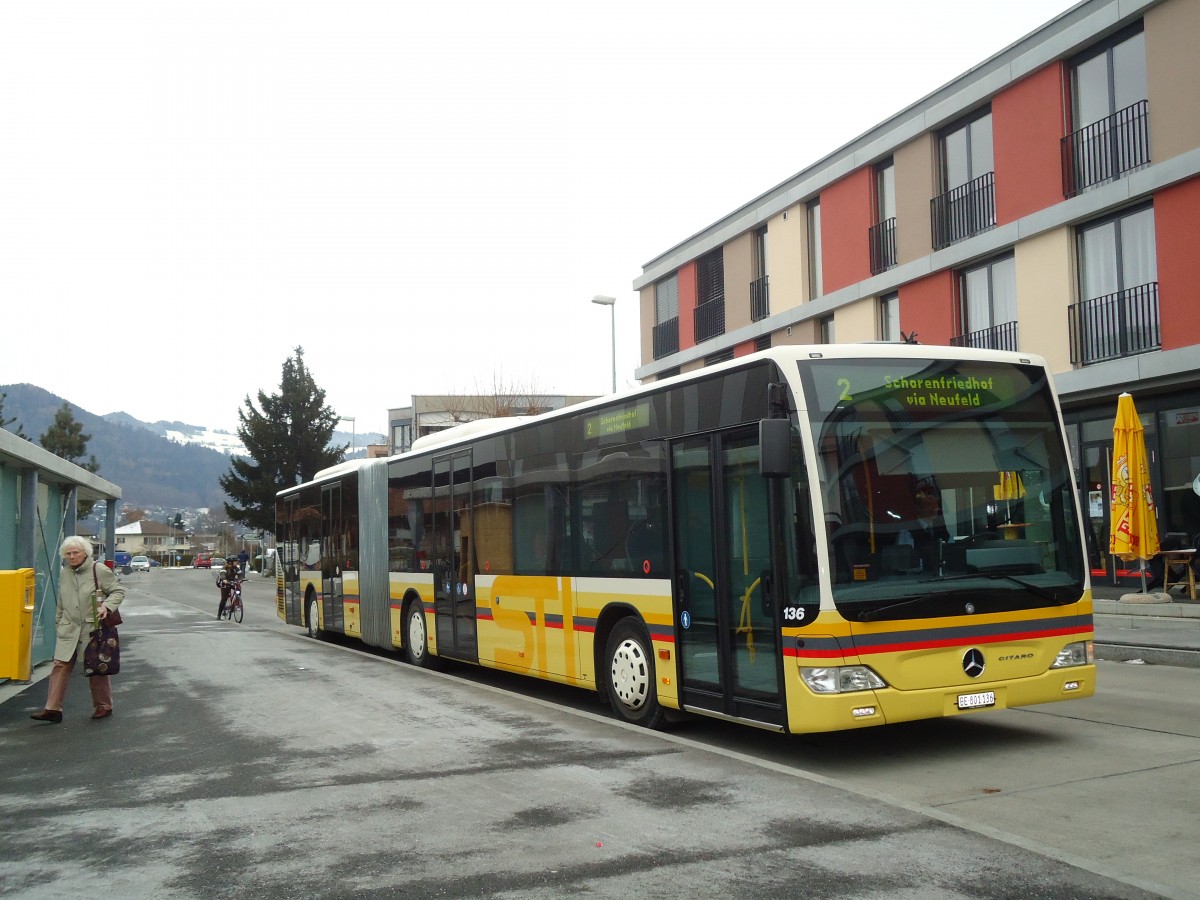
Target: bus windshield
{"x": 942, "y": 483}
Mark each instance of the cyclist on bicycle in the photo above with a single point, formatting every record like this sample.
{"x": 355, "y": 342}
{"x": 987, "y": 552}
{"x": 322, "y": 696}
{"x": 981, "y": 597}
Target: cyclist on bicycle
{"x": 230, "y": 575}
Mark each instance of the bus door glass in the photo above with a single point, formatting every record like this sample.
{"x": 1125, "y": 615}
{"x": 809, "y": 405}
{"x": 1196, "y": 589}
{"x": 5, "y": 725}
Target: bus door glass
{"x": 728, "y": 638}
{"x": 331, "y": 557}
{"x": 453, "y": 586}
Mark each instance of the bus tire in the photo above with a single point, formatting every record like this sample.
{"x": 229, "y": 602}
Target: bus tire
{"x": 312, "y": 620}
{"x": 416, "y": 637}
{"x": 629, "y": 678}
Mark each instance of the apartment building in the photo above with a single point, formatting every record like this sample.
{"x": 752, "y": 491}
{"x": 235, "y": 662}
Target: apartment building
{"x": 1046, "y": 201}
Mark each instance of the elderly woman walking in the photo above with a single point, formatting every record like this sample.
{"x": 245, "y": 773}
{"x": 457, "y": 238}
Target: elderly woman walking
{"x": 80, "y": 580}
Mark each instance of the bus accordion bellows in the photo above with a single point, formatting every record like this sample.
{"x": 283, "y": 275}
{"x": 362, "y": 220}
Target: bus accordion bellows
{"x": 803, "y": 539}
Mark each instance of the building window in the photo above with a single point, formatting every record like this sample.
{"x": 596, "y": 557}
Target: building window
{"x": 889, "y": 317}
{"x": 666, "y": 317}
{"x": 967, "y": 204}
{"x": 1117, "y": 313}
{"x": 760, "y": 299}
{"x": 825, "y": 328}
{"x": 987, "y": 297}
{"x": 815, "y": 286}
{"x": 882, "y": 235}
{"x": 710, "y": 296}
{"x": 1109, "y": 113}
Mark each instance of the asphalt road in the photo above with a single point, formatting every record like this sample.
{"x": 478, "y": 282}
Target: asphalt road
{"x": 248, "y": 760}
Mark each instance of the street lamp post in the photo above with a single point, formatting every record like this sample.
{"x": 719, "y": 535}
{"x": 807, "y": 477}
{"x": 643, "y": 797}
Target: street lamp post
{"x": 353, "y": 431}
{"x": 611, "y": 303}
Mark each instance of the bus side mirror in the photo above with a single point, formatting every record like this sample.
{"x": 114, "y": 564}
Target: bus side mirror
{"x": 774, "y": 448}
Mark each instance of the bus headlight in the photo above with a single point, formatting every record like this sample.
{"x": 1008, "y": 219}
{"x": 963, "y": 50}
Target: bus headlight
{"x": 1079, "y": 653}
{"x": 841, "y": 679}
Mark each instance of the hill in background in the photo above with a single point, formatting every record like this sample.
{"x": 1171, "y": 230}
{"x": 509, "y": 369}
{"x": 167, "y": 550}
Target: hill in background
{"x": 151, "y": 469}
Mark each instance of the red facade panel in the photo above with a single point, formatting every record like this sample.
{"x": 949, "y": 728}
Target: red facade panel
{"x": 1027, "y": 130}
{"x": 1175, "y": 234}
{"x": 686, "y": 279}
{"x": 927, "y": 307}
{"x": 745, "y": 348}
{"x": 846, "y": 216}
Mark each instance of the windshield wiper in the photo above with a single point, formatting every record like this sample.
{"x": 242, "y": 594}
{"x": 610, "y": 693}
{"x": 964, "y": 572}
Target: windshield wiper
{"x": 1036, "y": 589}
{"x": 872, "y": 614}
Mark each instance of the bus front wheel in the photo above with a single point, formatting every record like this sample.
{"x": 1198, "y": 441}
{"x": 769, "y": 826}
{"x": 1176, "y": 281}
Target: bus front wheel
{"x": 416, "y": 644}
{"x": 630, "y": 681}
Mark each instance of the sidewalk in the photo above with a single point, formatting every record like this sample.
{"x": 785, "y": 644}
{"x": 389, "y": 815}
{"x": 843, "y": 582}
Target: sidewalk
{"x": 1153, "y": 627}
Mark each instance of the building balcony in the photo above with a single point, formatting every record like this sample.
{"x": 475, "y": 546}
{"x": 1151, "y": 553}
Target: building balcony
{"x": 666, "y": 338}
{"x": 1115, "y": 325}
{"x": 710, "y": 320}
{"x": 964, "y": 211}
{"x": 882, "y": 238}
{"x": 760, "y": 299}
{"x": 997, "y": 337}
{"x": 1106, "y": 149}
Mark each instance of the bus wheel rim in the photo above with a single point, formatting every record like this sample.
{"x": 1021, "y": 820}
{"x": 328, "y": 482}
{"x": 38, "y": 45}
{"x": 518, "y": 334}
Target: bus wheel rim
{"x": 416, "y": 634}
{"x": 630, "y": 674}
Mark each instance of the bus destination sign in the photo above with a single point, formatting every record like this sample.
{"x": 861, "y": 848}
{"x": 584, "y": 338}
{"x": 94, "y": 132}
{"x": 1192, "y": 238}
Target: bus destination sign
{"x": 617, "y": 421}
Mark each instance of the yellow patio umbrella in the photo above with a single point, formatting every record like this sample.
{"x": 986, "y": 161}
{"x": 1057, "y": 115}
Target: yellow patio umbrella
{"x": 1133, "y": 530}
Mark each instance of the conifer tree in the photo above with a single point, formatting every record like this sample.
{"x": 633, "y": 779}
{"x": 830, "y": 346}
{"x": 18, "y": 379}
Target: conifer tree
{"x": 4, "y": 423}
{"x": 287, "y": 438}
{"x": 65, "y": 438}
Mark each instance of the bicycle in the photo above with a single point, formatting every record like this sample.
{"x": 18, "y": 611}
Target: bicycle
{"x": 233, "y": 606}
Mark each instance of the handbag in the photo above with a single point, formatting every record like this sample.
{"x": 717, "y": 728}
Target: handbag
{"x": 113, "y": 619}
{"x": 102, "y": 655}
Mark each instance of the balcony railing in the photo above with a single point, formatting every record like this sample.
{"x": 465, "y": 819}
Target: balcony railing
{"x": 882, "y": 238}
{"x": 666, "y": 338}
{"x": 710, "y": 320}
{"x": 965, "y": 211}
{"x": 1106, "y": 149}
{"x": 997, "y": 337}
{"x": 1115, "y": 325}
{"x": 760, "y": 299}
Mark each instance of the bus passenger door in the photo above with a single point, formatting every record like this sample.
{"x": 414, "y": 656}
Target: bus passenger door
{"x": 331, "y": 558}
{"x": 453, "y": 584}
{"x": 725, "y": 612}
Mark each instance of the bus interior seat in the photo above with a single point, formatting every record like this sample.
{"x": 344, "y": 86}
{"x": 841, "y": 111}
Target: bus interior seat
{"x": 898, "y": 559}
{"x": 610, "y": 527}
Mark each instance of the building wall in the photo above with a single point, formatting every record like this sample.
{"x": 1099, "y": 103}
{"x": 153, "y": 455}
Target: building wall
{"x": 786, "y": 250}
{"x": 846, "y": 217}
{"x": 915, "y": 180}
{"x": 858, "y": 321}
{"x": 1173, "y": 78}
{"x": 739, "y": 272}
{"x": 1045, "y": 288}
{"x": 1176, "y": 210}
{"x": 926, "y": 307}
{"x": 686, "y": 277}
{"x": 1027, "y": 127}
{"x": 646, "y": 320}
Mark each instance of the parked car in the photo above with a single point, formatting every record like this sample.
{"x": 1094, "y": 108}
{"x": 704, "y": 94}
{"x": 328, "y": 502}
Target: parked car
{"x": 154, "y": 564}
{"x": 140, "y": 564}
{"x": 203, "y": 560}
{"x": 218, "y": 563}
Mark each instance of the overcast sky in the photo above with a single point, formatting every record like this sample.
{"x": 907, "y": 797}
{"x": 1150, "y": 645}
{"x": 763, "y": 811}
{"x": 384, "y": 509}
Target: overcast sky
{"x": 425, "y": 196}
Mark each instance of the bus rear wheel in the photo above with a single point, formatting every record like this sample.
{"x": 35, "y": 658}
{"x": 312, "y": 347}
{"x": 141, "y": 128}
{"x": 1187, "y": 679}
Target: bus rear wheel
{"x": 313, "y": 630}
{"x": 416, "y": 643}
{"x": 630, "y": 682}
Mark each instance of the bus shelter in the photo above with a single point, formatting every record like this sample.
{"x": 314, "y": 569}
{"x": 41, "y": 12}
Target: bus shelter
{"x": 40, "y": 495}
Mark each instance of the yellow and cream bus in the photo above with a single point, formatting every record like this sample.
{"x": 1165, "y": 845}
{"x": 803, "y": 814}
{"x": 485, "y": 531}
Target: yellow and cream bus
{"x": 803, "y": 539}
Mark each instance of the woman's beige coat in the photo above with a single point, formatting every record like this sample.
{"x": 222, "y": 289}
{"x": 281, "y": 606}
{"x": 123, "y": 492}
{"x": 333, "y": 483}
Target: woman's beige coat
{"x": 73, "y": 623}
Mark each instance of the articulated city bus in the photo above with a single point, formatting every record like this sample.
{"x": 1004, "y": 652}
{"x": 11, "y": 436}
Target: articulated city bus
{"x": 803, "y": 539}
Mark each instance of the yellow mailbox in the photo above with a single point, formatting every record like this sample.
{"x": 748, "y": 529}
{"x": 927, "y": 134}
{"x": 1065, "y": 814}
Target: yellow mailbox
{"x": 17, "y": 591}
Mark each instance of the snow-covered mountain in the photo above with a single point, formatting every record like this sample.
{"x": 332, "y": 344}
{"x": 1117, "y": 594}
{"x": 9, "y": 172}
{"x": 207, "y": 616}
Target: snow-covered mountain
{"x": 226, "y": 442}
